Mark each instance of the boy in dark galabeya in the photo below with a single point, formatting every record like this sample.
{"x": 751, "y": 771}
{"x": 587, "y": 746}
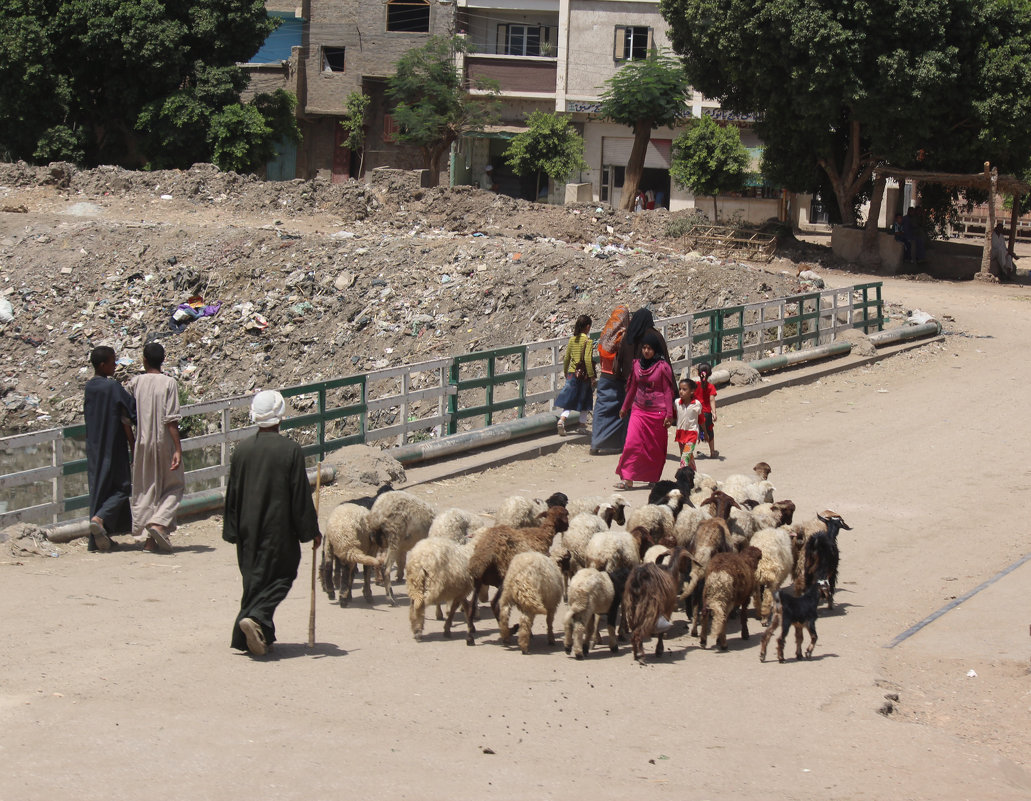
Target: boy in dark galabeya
{"x": 109, "y": 411}
{"x": 269, "y": 512}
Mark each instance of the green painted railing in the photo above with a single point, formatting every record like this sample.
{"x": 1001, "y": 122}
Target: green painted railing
{"x": 468, "y": 391}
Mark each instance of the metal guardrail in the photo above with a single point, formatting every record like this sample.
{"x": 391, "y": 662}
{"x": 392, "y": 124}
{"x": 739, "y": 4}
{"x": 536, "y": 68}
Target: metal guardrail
{"x": 426, "y": 399}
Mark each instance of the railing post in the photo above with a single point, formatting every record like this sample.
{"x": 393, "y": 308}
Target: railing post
{"x": 321, "y": 426}
{"x": 402, "y": 438}
{"x": 57, "y": 486}
{"x": 454, "y": 370}
{"x": 224, "y": 454}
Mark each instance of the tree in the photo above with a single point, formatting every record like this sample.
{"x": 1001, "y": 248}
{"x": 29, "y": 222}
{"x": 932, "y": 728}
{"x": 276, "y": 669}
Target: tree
{"x": 709, "y": 159}
{"x": 131, "y": 82}
{"x": 354, "y": 125}
{"x": 432, "y": 106}
{"x": 645, "y": 94}
{"x": 550, "y": 145}
{"x": 842, "y": 87}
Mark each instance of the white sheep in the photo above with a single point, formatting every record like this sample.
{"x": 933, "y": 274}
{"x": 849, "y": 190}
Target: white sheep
{"x": 590, "y": 595}
{"x": 569, "y": 549}
{"x": 519, "y": 512}
{"x": 438, "y": 573}
{"x": 348, "y": 544}
{"x": 775, "y": 566}
{"x": 533, "y": 584}
{"x": 704, "y": 486}
{"x": 396, "y": 522}
{"x": 610, "y": 550}
{"x": 601, "y": 506}
{"x": 457, "y": 525}
{"x": 651, "y": 556}
{"x": 657, "y": 519}
{"x": 688, "y": 521}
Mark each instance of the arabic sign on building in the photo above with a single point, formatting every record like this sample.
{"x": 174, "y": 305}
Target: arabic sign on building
{"x": 726, "y": 115}
{"x": 583, "y": 106}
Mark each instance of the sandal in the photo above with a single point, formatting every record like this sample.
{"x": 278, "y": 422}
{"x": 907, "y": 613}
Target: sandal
{"x": 624, "y": 485}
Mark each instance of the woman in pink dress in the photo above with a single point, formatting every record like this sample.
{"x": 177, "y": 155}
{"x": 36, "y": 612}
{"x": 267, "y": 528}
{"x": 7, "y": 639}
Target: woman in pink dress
{"x": 649, "y": 403}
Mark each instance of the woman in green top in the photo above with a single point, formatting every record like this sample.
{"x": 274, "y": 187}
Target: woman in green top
{"x": 578, "y": 393}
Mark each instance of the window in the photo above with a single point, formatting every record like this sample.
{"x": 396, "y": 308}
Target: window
{"x": 526, "y": 40}
{"x": 408, "y": 16}
{"x": 632, "y": 42}
{"x": 332, "y": 59}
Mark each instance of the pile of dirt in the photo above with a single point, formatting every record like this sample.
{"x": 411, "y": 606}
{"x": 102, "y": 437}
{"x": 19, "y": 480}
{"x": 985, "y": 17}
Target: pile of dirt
{"x": 314, "y": 279}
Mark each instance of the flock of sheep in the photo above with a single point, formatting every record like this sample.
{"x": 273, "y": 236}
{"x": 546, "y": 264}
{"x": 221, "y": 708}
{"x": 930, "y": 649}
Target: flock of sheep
{"x": 718, "y": 547}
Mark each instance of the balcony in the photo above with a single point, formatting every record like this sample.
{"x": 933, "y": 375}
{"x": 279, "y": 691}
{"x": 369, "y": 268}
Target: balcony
{"x": 523, "y": 76}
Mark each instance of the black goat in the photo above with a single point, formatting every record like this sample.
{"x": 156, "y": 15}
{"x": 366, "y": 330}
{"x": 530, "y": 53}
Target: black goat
{"x": 793, "y": 610}
{"x": 822, "y": 555}
{"x": 683, "y": 481}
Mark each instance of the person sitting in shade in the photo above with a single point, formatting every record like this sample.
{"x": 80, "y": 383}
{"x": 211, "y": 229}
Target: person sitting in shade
{"x": 1002, "y": 257}
{"x": 269, "y": 513}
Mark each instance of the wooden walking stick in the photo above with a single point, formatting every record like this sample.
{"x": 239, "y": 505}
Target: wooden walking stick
{"x": 314, "y": 549}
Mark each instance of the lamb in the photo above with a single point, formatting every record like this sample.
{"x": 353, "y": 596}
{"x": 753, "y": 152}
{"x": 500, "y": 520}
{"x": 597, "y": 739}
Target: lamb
{"x": 495, "y": 547}
{"x": 456, "y": 524}
{"x": 743, "y": 523}
{"x": 533, "y": 584}
{"x": 520, "y": 512}
{"x": 801, "y": 532}
{"x": 348, "y": 544}
{"x": 822, "y": 556}
{"x": 590, "y": 595}
{"x": 609, "y": 550}
{"x": 396, "y": 522}
{"x": 612, "y": 508}
{"x": 729, "y": 580}
{"x": 438, "y": 573}
{"x": 569, "y": 549}
{"x": 657, "y": 519}
{"x": 651, "y": 594}
{"x": 712, "y": 537}
{"x": 793, "y": 609}
{"x": 776, "y": 565}
{"x": 704, "y": 486}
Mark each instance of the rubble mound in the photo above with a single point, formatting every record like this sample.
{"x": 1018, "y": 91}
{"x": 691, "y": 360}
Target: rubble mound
{"x": 309, "y": 280}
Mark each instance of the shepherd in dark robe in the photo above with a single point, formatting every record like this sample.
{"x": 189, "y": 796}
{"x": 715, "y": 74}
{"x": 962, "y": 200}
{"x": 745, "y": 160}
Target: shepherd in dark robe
{"x": 269, "y": 513}
{"x": 109, "y": 411}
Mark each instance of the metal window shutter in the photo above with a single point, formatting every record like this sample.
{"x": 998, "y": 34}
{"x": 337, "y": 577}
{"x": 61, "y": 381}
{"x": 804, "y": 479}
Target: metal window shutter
{"x": 615, "y": 150}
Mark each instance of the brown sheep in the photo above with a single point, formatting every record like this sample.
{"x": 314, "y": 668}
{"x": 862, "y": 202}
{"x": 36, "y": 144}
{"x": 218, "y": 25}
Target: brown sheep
{"x": 651, "y": 593}
{"x": 729, "y": 581}
{"x": 493, "y": 549}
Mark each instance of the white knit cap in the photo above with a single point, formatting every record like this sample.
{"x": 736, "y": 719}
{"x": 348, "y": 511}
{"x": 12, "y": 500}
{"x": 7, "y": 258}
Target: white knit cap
{"x": 268, "y": 408}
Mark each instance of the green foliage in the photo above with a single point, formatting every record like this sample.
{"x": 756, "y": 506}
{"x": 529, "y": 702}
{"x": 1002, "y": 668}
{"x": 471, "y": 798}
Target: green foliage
{"x": 432, "y": 107}
{"x": 122, "y": 81}
{"x": 354, "y": 123}
{"x": 550, "y": 145}
{"x": 840, "y": 87}
{"x": 654, "y": 89}
{"x": 709, "y": 159}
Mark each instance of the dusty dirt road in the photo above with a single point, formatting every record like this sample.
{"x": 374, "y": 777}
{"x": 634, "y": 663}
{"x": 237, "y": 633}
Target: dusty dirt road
{"x": 119, "y": 681}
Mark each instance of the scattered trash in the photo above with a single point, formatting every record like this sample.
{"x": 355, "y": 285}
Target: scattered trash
{"x": 971, "y": 674}
{"x": 166, "y": 197}
{"x": 256, "y": 323}
{"x": 6, "y": 311}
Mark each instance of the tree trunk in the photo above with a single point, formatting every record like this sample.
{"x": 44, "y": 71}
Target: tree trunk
{"x": 870, "y": 255}
{"x": 715, "y": 212}
{"x": 985, "y": 273}
{"x": 433, "y": 165}
{"x": 635, "y": 166}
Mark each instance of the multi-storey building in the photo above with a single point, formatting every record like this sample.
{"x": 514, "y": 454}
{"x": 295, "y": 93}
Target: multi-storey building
{"x": 548, "y": 55}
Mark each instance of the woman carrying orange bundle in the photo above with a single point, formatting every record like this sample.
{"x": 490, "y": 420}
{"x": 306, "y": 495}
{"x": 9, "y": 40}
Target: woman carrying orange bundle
{"x": 608, "y": 432}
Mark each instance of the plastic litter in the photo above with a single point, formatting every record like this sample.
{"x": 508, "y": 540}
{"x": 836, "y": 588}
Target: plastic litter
{"x": 6, "y": 311}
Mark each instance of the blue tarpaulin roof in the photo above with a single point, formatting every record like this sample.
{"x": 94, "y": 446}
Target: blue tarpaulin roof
{"x": 278, "y": 44}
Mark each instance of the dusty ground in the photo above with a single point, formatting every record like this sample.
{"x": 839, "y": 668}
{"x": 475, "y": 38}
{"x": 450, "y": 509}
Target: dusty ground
{"x": 119, "y": 682}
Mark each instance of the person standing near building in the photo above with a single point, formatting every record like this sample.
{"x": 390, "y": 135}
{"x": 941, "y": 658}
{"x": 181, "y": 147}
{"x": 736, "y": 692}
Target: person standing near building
{"x": 488, "y": 181}
{"x": 158, "y": 479}
{"x": 269, "y": 512}
{"x": 109, "y": 411}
